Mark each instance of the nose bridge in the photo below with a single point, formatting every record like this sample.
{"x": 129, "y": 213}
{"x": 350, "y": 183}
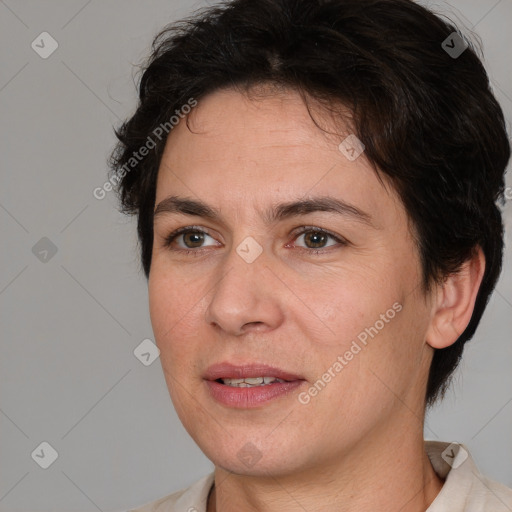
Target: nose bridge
{"x": 244, "y": 295}
{"x": 245, "y": 265}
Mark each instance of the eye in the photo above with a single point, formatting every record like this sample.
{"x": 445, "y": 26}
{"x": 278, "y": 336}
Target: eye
{"x": 317, "y": 238}
{"x": 189, "y": 238}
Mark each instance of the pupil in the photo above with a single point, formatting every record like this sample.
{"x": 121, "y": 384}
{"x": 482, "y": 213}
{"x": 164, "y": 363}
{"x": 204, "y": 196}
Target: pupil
{"x": 315, "y": 239}
{"x": 194, "y": 239}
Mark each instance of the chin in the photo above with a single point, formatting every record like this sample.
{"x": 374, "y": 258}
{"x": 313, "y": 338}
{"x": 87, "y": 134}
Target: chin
{"x": 240, "y": 455}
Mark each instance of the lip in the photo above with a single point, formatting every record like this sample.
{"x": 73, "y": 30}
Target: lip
{"x": 250, "y": 397}
{"x": 226, "y": 370}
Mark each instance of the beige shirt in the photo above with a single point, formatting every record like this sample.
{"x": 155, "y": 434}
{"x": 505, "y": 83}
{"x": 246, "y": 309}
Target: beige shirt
{"x": 464, "y": 490}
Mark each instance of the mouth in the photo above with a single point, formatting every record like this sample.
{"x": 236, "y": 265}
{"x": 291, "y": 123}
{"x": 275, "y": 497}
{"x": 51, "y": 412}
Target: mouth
{"x": 249, "y": 385}
{"x": 249, "y": 374}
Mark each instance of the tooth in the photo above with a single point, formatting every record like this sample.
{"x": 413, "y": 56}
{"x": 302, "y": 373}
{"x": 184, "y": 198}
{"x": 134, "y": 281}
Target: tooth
{"x": 254, "y": 380}
{"x": 232, "y": 381}
{"x": 251, "y": 381}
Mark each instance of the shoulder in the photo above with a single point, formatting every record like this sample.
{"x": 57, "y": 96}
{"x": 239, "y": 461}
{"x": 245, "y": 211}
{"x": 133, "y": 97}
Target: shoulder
{"x": 190, "y": 499}
{"x": 496, "y": 494}
{"x": 465, "y": 488}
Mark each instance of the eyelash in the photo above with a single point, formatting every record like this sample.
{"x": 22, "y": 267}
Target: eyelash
{"x": 169, "y": 239}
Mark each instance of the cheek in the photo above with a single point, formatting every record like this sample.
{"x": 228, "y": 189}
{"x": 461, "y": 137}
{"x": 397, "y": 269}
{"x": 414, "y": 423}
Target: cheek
{"x": 368, "y": 319}
{"x": 338, "y": 307}
{"x": 173, "y": 305}
{"x": 172, "y": 298}
{"x": 384, "y": 358}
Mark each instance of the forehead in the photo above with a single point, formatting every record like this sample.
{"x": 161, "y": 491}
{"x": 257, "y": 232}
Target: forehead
{"x": 242, "y": 123}
{"x": 261, "y": 150}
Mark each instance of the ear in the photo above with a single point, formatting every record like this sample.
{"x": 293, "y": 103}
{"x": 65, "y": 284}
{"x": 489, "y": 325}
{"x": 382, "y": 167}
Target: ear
{"x": 454, "y": 301}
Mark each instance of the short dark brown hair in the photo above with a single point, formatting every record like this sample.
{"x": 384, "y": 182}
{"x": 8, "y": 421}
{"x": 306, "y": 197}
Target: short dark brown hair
{"x": 428, "y": 120}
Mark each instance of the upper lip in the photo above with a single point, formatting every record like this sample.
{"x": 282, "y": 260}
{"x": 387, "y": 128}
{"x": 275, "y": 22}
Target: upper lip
{"x": 227, "y": 370}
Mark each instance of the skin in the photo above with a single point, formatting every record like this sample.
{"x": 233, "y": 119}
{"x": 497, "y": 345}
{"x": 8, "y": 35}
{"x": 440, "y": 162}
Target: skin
{"x": 299, "y": 311}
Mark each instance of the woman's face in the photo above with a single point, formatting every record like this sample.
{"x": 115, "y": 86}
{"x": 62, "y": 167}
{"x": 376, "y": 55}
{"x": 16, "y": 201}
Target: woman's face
{"x": 326, "y": 291}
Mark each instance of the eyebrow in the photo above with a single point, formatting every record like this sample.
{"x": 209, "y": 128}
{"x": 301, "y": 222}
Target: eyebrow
{"x": 279, "y": 212}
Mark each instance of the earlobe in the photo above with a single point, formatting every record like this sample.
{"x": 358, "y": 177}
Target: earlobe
{"x": 454, "y": 301}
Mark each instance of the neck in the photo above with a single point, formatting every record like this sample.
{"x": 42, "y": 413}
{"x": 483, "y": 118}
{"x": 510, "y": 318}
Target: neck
{"x": 391, "y": 474}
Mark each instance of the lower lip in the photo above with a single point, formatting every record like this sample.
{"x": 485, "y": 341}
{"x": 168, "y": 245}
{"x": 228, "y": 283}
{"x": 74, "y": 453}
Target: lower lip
{"x": 246, "y": 398}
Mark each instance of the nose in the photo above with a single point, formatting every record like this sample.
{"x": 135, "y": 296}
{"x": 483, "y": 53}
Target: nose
{"x": 246, "y": 298}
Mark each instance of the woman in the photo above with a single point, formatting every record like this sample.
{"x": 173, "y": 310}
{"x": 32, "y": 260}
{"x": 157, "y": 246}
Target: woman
{"x": 315, "y": 184}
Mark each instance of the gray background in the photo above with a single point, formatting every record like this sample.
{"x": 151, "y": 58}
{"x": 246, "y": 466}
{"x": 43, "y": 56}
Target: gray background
{"x": 70, "y": 324}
